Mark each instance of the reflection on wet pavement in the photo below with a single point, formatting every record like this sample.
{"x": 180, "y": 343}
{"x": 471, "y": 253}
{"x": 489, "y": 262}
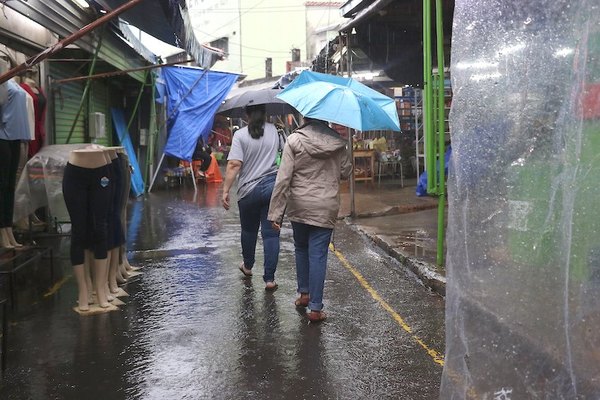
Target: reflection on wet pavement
{"x": 417, "y": 243}
{"x": 194, "y": 328}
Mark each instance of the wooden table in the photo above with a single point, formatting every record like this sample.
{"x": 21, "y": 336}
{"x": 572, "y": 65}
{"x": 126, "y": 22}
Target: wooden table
{"x": 365, "y": 158}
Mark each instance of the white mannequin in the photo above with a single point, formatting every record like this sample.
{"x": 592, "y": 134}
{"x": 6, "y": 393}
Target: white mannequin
{"x": 7, "y": 238}
{"x": 126, "y": 268}
{"x": 117, "y": 269}
{"x": 113, "y": 254}
{"x": 91, "y": 158}
{"x": 29, "y": 81}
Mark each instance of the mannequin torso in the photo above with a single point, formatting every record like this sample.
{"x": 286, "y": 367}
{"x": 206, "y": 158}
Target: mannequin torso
{"x": 88, "y": 158}
{"x": 117, "y": 149}
{"x": 111, "y": 153}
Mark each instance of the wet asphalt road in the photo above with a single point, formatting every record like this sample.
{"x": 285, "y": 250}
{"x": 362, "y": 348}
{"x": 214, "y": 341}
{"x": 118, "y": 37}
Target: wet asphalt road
{"x": 193, "y": 328}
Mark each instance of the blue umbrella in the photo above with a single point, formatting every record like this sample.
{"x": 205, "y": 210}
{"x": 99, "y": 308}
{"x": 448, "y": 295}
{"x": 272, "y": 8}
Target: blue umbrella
{"x": 341, "y": 100}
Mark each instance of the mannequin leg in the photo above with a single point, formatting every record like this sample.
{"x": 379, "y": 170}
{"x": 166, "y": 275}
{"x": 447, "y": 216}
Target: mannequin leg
{"x": 11, "y": 238}
{"x": 87, "y": 268}
{"x": 100, "y": 281}
{"x": 10, "y": 151}
{"x": 127, "y": 187}
{"x": 4, "y": 241}
{"x": 113, "y": 270}
{"x": 84, "y": 295}
{"x": 124, "y": 274}
{"x": 128, "y": 266}
{"x": 12, "y": 184}
{"x": 109, "y": 295}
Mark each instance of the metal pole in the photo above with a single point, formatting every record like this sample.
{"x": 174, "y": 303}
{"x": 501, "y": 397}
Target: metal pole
{"x": 137, "y": 102}
{"x": 350, "y": 138}
{"x": 88, "y": 84}
{"x": 193, "y": 177}
{"x": 122, "y": 72}
{"x": 67, "y": 41}
{"x": 156, "y": 173}
{"x": 439, "y": 28}
{"x": 415, "y": 110}
{"x": 240, "y": 29}
{"x": 428, "y": 97}
{"x": 151, "y": 132}
{"x": 4, "y": 335}
{"x": 434, "y": 129}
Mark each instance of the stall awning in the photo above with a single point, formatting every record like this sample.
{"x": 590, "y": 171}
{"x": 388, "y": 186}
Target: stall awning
{"x": 391, "y": 34}
{"x": 168, "y": 21}
{"x": 64, "y": 17}
{"x": 364, "y": 14}
{"x": 153, "y": 17}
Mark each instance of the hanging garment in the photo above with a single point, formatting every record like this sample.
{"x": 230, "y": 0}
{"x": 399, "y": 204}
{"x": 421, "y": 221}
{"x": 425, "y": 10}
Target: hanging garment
{"x": 14, "y": 123}
{"x": 39, "y": 105}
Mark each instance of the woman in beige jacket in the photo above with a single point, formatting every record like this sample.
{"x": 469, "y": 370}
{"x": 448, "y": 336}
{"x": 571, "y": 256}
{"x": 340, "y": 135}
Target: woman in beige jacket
{"x": 307, "y": 188}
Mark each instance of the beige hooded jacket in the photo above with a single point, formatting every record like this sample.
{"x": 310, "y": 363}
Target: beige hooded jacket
{"x": 308, "y": 181}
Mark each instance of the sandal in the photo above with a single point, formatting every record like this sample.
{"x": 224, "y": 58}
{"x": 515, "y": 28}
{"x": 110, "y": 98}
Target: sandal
{"x": 245, "y": 271}
{"x": 302, "y": 301}
{"x": 316, "y": 316}
{"x": 271, "y": 286}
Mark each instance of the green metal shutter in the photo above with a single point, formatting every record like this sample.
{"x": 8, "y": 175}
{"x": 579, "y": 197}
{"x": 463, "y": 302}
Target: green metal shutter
{"x": 66, "y": 98}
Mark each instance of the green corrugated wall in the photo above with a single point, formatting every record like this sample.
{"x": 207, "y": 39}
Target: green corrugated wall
{"x": 99, "y": 102}
{"x": 67, "y": 97}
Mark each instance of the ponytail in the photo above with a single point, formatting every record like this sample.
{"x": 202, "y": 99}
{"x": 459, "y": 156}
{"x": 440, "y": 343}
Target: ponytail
{"x": 257, "y": 117}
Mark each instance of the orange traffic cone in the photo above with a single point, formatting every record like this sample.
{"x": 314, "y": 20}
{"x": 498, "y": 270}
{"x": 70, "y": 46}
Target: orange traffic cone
{"x": 213, "y": 173}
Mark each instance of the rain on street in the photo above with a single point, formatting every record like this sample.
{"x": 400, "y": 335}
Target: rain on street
{"x": 193, "y": 327}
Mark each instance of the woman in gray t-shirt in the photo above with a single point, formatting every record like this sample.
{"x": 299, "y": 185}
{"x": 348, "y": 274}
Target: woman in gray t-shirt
{"x": 252, "y": 159}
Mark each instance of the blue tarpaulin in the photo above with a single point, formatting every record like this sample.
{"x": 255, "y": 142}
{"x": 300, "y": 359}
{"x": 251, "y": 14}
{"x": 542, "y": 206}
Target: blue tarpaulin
{"x": 194, "y": 114}
{"x": 137, "y": 182}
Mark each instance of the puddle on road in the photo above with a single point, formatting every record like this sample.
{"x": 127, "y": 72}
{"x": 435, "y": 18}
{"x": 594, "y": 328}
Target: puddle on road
{"x": 417, "y": 243}
{"x": 164, "y": 253}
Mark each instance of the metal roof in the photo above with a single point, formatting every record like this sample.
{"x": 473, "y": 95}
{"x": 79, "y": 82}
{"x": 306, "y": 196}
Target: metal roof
{"x": 64, "y": 17}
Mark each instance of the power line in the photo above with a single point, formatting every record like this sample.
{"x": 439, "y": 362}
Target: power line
{"x": 267, "y": 50}
{"x": 326, "y": 10}
{"x": 239, "y": 16}
{"x": 246, "y": 47}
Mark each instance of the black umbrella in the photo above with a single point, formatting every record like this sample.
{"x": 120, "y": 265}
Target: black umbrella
{"x": 234, "y": 106}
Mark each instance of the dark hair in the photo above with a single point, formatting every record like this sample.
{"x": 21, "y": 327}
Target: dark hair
{"x": 257, "y": 117}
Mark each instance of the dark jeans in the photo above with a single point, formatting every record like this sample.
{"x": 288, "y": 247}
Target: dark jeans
{"x": 10, "y": 151}
{"x": 253, "y": 213}
{"x": 312, "y": 247}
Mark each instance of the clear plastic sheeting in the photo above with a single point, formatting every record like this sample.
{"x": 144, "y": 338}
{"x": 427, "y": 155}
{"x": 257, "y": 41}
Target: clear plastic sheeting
{"x": 40, "y": 184}
{"x": 523, "y": 293}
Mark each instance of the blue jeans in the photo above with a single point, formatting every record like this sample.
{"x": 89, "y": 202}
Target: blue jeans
{"x": 254, "y": 208}
{"x": 312, "y": 247}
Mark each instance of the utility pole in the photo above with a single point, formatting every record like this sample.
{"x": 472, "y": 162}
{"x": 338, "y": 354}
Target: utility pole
{"x": 240, "y": 29}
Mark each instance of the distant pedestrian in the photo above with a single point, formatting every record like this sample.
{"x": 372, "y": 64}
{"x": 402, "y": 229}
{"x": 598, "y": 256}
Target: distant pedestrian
{"x": 202, "y": 153}
{"x": 307, "y": 188}
{"x": 253, "y": 155}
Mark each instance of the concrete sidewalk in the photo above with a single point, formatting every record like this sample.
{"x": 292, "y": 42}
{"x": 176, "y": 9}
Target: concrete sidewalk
{"x": 402, "y": 224}
{"x": 389, "y": 198}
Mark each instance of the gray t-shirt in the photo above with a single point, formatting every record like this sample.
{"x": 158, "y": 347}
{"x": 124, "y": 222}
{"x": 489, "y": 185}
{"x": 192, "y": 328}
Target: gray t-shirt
{"x": 257, "y": 157}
